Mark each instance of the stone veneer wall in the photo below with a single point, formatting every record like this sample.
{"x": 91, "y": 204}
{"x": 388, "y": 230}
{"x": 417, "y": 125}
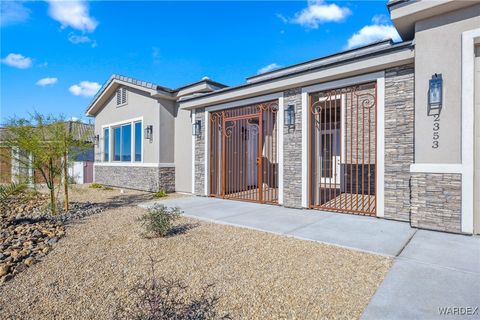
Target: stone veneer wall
{"x": 437, "y": 201}
{"x": 292, "y": 152}
{"x": 200, "y": 154}
{"x": 150, "y": 179}
{"x": 399, "y": 140}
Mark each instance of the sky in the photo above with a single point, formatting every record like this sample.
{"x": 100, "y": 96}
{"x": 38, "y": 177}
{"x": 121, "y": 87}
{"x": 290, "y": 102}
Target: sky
{"x": 56, "y": 55}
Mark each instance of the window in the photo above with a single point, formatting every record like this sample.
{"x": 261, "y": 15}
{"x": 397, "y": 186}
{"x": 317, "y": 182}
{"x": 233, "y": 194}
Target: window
{"x": 126, "y": 142}
{"x": 138, "y": 141}
{"x": 116, "y": 144}
{"x": 121, "y": 96}
{"x": 106, "y": 144}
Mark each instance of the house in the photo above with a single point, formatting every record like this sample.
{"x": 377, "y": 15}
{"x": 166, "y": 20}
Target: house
{"x": 388, "y": 130}
{"x": 81, "y": 165}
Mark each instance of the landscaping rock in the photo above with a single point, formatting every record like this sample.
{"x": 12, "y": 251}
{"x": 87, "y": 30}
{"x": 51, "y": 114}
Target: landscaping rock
{"x": 28, "y": 229}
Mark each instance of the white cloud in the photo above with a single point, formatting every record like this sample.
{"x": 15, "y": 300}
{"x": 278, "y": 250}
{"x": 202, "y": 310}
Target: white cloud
{"x": 46, "y": 82}
{"x": 78, "y": 39}
{"x": 85, "y": 89}
{"x": 13, "y": 12}
{"x": 380, "y": 29}
{"x": 73, "y": 13}
{"x": 17, "y": 60}
{"x": 316, "y": 13}
{"x": 268, "y": 68}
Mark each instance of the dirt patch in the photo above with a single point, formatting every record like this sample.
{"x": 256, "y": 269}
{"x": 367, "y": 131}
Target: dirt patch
{"x": 256, "y": 275}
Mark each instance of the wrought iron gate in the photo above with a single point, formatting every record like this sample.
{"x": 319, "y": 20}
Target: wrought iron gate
{"x": 343, "y": 149}
{"x": 243, "y": 153}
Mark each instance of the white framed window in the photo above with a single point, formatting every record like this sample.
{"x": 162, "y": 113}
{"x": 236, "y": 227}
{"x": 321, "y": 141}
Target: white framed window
{"x": 121, "y": 96}
{"x": 123, "y": 141}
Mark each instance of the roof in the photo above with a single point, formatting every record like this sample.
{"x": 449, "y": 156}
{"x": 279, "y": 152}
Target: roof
{"x": 80, "y": 130}
{"x": 168, "y": 92}
{"x": 328, "y": 61}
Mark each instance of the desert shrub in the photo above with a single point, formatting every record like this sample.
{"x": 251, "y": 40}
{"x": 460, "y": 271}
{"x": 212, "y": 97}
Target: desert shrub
{"x": 96, "y": 186}
{"x": 107, "y": 188}
{"x": 160, "y": 194}
{"x": 159, "y": 298}
{"x": 159, "y": 220}
{"x": 11, "y": 189}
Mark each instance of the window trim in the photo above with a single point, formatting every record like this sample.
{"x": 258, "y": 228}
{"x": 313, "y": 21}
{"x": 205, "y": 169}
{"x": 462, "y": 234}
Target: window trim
{"x": 113, "y": 125}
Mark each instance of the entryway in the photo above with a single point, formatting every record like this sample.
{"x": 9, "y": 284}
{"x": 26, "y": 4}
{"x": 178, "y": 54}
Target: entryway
{"x": 243, "y": 153}
{"x": 342, "y": 148}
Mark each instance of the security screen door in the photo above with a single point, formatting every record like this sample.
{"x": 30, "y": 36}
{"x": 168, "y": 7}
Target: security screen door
{"x": 243, "y": 153}
{"x": 342, "y": 148}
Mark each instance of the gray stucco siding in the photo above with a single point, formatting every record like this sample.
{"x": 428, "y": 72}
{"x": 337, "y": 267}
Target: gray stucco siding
{"x": 156, "y": 112}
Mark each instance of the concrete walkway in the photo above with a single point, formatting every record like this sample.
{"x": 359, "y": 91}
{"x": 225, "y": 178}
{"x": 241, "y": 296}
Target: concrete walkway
{"x": 431, "y": 269}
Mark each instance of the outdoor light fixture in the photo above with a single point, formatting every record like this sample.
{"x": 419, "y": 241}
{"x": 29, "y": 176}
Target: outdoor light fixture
{"x": 435, "y": 94}
{"x": 196, "y": 128}
{"x": 148, "y": 132}
{"x": 289, "y": 116}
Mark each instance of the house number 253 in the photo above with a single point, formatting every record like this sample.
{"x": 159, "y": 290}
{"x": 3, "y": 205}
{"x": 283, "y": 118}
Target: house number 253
{"x": 436, "y": 133}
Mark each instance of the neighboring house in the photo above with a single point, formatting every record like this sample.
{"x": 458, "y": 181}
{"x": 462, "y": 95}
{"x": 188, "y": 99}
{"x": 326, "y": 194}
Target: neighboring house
{"x": 80, "y": 170}
{"x": 388, "y": 130}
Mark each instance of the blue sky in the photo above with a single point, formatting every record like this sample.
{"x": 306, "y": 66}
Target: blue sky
{"x": 56, "y": 54}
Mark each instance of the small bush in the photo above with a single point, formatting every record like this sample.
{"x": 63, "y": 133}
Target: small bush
{"x": 160, "y": 194}
{"x": 107, "y": 188}
{"x": 159, "y": 219}
{"x": 9, "y": 190}
{"x": 96, "y": 186}
{"x": 159, "y": 298}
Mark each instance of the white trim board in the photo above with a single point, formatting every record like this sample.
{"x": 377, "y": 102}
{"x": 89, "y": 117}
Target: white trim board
{"x": 468, "y": 121}
{"x": 193, "y": 154}
{"x": 207, "y": 154}
{"x": 305, "y": 141}
{"x": 435, "y": 168}
{"x": 244, "y": 102}
{"x": 134, "y": 164}
{"x": 344, "y": 82}
{"x": 280, "y": 122}
{"x": 380, "y": 175}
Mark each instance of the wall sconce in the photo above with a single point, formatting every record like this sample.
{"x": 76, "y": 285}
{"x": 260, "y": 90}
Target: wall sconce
{"x": 197, "y": 128}
{"x": 289, "y": 116}
{"x": 435, "y": 94}
{"x": 148, "y": 132}
{"x": 96, "y": 139}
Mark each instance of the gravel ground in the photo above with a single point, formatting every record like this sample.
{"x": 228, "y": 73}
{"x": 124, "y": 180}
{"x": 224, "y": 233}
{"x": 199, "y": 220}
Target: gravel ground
{"x": 256, "y": 275}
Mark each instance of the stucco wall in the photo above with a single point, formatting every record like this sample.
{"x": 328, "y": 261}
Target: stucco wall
{"x": 438, "y": 50}
{"x": 183, "y": 151}
{"x": 156, "y": 112}
{"x": 477, "y": 141}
